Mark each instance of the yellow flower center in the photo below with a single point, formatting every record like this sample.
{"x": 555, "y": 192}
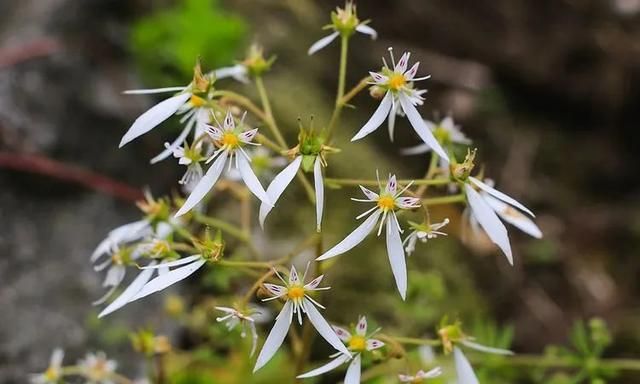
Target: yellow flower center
{"x": 230, "y": 139}
{"x": 397, "y": 81}
{"x": 51, "y": 374}
{"x": 357, "y": 343}
{"x": 197, "y": 101}
{"x": 295, "y": 292}
{"x": 386, "y": 203}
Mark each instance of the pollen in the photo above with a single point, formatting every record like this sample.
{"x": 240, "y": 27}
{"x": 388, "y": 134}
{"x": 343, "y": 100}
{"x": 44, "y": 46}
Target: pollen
{"x": 230, "y": 139}
{"x": 197, "y": 101}
{"x": 295, "y": 292}
{"x": 397, "y": 81}
{"x": 357, "y": 343}
{"x": 386, "y": 203}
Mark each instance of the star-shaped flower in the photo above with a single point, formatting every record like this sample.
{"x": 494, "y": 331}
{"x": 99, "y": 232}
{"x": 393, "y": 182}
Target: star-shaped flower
{"x": 423, "y": 232}
{"x": 53, "y": 373}
{"x": 343, "y": 21}
{"x": 97, "y": 369}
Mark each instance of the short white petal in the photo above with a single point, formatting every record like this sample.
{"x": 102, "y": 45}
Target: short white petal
{"x": 205, "y": 184}
{"x": 420, "y": 127}
{"x": 396, "y": 256}
{"x": 415, "y": 150}
{"x": 168, "y": 151}
{"x": 435, "y": 372}
{"x": 377, "y": 118}
{"x": 323, "y": 328}
{"x": 171, "y": 264}
{"x": 342, "y": 333}
{"x": 238, "y": 72}
{"x": 168, "y": 279}
{"x": 489, "y": 221}
{"x": 154, "y": 116}
{"x": 373, "y": 344}
{"x": 367, "y": 30}
{"x": 56, "y": 358}
{"x": 484, "y": 348}
{"x": 361, "y": 327}
{"x": 354, "y": 238}
{"x": 276, "y": 336}
{"x": 513, "y": 216}
{"x": 333, "y": 364}
{"x": 353, "y": 372}
{"x": 252, "y": 181}
{"x": 464, "y": 371}
{"x": 499, "y": 195}
{"x": 133, "y": 288}
{"x": 318, "y": 45}
{"x": 319, "y": 187}
{"x": 152, "y": 90}
{"x": 278, "y": 185}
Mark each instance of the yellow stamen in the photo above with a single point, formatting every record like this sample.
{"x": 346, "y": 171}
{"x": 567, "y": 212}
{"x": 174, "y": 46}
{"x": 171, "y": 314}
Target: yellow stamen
{"x": 397, "y": 81}
{"x": 230, "y": 140}
{"x": 357, "y": 343}
{"x": 197, "y": 101}
{"x": 295, "y": 292}
{"x": 51, "y": 374}
{"x": 386, "y": 203}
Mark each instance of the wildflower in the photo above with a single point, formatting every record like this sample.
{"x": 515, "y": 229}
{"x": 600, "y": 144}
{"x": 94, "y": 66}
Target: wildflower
{"x": 233, "y": 317}
{"x": 191, "y": 157}
{"x": 446, "y": 132}
{"x": 423, "y": 232}
{"x": 344, "y": 21}
{"x": 97, "y": 369}
{"x": 229, "y": 142}
{"x": 358, "y": 343}
{"x": 297, "y": 301}
{"x": 421, "y": 376}
{"x": 400, "y": 97}
{"x": 53, "y": 373}
{"x": 386, "y": 203}
{"x": 134, "y": 287}
{"x": 190, "y": 101}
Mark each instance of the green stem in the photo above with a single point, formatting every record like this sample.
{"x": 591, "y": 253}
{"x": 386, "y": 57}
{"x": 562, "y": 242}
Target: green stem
{"x": 246, "y": 264}
{"x": 266, "y": 105}
{"x": 374, "y": 183}
{"x": 444, "y": 200}
{"x": 222, "y": 225}
{"x": 431, "y": 170}
{"x": 559, "y": 362}
{"x": 342, "y": 76}
{"x": 416, "y": 341}
{"x": 355, "y": 90}
{"x": 308, "y": 188}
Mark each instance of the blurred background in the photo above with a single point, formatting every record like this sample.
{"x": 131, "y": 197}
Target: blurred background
{"x": 548, "y": 90}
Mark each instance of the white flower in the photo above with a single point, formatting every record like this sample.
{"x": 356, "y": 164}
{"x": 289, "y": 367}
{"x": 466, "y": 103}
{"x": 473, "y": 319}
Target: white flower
{"x": 421, "y": 376}
{"x": 344, "y": 20}
{"x": 446, "y": 131}
{"x": 484, "y": 208}
{"x": 284, "y": 178}
{"x": 400, "y": 96}
{"x": 233, "y": 317}
{"x": 357, "y": 343}
{"x": 464, "y": 370}
{"x": 423, "y": 232}
{"x": 97, "y": 369}
{"x": 238, "y": 72}
{"x": 53, "y": 374}
{"x": 385, "y": 205}
{"x": 297, "y": 301}
{"x": 229, "y": 142}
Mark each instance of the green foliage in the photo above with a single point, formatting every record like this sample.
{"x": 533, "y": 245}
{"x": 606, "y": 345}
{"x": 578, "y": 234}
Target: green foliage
{"x": 166, "y": 42}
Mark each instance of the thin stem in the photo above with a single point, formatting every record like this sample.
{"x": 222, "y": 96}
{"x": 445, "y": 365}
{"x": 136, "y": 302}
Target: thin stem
{"x": 444, "y": 200}
{"x": 355, "y": 90}
{"x": 342, "y": 76}
{"x": 308, "y": 188}
{"x": 262, "y": 139}
{"x": 246, "y": 264}
{"x": 266, "y": 105}
{"x": 242, "y": 101}
{"x": 255, "y": 287}
{"x": 222, "y": 225}
{"x": 431, "y": 170}
{"x": 374, "y": 183}
{"x": 416, "y": 341}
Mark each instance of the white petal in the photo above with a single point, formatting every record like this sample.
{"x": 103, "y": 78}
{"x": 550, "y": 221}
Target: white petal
{"x": 152, "y": 90}
{"x": 168, "y": 279}
{"x": 489, "y": 221}
{"x": 396, "y": 256}
{"x": 205, "y": 184}
{"x": 392, "y": 185}
{"x": 416, "y": 150}
{"x": 376, "y": 119}
{"x": 275, "y": 290}
{"x": 342, "y": 333}
{"x": 391, "y": 121}
{"x": 464, "y": 371}
{"x": 252, "y": 181}
{"x": 154, "y": 116}
{"x": 319, "y": 187}
{"x": 361, "y": 327}
{"x": 56, "y": 358}
{"x": 238, "y": 72}
{"x": 374, "y": 344}
{"x": 435, "y": 372}
{"x": 175, "y": 263}
{"x": 175, "y": 144}
{"x": 420, "y": 127}
{"x": 277, "y": 187}
{"x": 333, "y": 364}
{"x": 133, "y": 288}
{"x": 499, "y": 195}
{"x": 484, "y": 348}
{"x": 513, "y": 216}
{"x": 276, "y": 336}
{"x": 293, "y": 276}
{"x": 354, "y": 238}
{"x": 353, "y": 372}
{"x": 247, "y": 136}
{"x": 367, "y": 30}
{"x": 318, "y": 45}
{"x": 408, "y": 202}
{"x": 369, "y": 193}
{"x": 402, "y": 64}
{"x": 313, "y": 284}
{"x": 323, "y": 328}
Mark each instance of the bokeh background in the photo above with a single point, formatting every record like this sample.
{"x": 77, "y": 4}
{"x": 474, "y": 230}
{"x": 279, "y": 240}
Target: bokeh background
{"x": 549, "y": 90}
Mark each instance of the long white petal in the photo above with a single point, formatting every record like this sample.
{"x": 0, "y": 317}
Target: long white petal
{"x": 319, "y": 187}
{"x": 168, "y": 279}
{"x": 353, "y": 372}
{"x": 396, "y": 256}
{"x": 354, "y": 238}
{"x": 152, "y": 90}
{"x": 318, "y": 45}
{"x": 205, "y": 184}
{"x": 391, "y": 121}
{"x": 171, "y": 264}
{"x": 252, "y": 181}
{"x": 154, "y": 116}
{"x": 489, "y": 221}
{"x": 168, "y": 151}
{"x": 513, "y": 216}
{"x": 367, "y": 30}
{"x": 420, "y": 127}
{"x": 416, "y": 150}
{"x": 133, "y": 288}
{"x": 499, "y": 195}
{"x": 484, "y": 348}
{"x": 277, "y": 187}
{"x": 333, "y": 364}
{"x": 464, "y": 371}
{"x": 377, "y": 118}
{"x": 276, "y": 336}
{"x": 323, "y": 328}
{"x": 238, "y": 72}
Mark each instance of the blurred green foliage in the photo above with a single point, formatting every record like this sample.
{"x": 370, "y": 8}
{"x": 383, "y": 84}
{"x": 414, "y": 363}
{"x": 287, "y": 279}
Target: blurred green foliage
{"x": 166, "y": 43}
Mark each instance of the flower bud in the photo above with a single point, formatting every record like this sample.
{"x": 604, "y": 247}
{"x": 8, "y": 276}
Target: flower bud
{"x": 255, "y": 62}
{"x": 345, "y": 20}
{"x": 201, "y": 83}
{"x": 377, "y": 92}
{"x": 462, "y": 171}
